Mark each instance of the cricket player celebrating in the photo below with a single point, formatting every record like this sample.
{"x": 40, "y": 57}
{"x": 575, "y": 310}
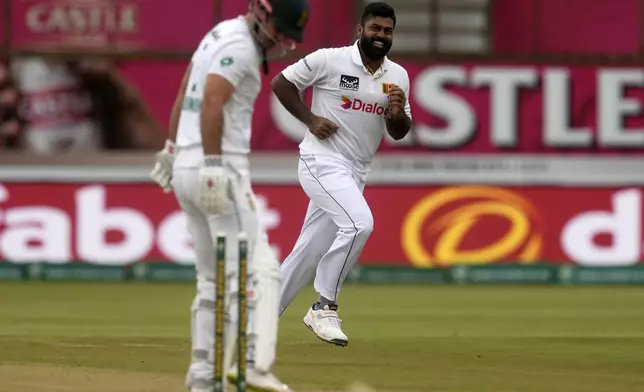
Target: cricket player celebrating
{"x": 358, "y": 93}
{"x": 206, "y": 162}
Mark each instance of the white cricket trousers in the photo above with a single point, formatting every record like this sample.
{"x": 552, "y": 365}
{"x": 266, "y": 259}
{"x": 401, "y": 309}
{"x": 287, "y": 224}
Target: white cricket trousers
{"x": 241, "y": 215}
{"x": 203, "y": 228}
{"x": 337, "y": 225}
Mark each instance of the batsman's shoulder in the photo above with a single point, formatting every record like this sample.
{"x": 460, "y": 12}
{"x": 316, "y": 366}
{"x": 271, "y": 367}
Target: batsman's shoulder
{"x": 238, "y": 42}
{"x": 238, "y": 50}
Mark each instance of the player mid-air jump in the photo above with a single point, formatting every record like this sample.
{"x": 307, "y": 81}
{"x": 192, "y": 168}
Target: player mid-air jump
{"x": 358, "y": 94}
{"x": 206, "y": 162}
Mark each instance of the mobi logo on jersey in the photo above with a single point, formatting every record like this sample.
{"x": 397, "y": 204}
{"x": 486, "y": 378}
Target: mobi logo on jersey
{"x": 471, "y": 224}
{"x": 360, "y": 106}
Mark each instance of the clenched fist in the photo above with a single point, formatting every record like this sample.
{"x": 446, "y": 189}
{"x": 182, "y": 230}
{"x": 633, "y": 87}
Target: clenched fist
{"x": 321, "y": 127}
{"x": 397, "y": 100}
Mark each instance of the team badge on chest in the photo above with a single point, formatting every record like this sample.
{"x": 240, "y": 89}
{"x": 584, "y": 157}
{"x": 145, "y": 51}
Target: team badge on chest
{"x": 386, "y": 87}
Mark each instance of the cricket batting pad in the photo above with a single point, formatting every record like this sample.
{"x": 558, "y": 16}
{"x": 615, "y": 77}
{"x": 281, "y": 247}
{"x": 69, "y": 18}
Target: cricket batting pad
{"x": 200, "y": 374}
{"x": 264, "y": 297}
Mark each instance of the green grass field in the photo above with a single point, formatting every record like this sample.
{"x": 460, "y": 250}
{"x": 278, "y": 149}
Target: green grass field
{"x": 135, "y": 337}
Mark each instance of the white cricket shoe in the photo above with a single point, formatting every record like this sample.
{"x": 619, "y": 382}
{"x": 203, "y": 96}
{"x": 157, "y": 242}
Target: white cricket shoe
{"x": 258, "y": 382}
{"x": 325, "y": 324}
{"x": 201, "y": 385}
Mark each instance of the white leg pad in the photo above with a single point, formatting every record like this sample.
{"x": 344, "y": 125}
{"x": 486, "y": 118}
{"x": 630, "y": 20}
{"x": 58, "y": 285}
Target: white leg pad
{"x": 263, "y": 314}
{"x": 200, "y": 373}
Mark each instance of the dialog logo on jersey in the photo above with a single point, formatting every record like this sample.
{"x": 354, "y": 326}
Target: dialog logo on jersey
{"x": 471, "y": 225}
{"x": 360, "y": 106}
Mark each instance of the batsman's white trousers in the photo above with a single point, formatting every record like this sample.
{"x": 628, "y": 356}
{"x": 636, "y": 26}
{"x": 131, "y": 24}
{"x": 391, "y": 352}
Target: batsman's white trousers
{"x": 337, "y": 225}
{"x": 264, "y": 277}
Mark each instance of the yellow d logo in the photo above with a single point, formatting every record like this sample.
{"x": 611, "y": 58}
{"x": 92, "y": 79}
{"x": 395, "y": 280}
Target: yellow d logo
{"x": 450, "y": 214}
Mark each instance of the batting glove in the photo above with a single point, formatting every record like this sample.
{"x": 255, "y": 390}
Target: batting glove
{"x": 215, "y": 185}
{"x": 162, "y": 171}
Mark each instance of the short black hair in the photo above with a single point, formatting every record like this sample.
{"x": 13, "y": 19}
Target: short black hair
{"x": 378, "y": 9}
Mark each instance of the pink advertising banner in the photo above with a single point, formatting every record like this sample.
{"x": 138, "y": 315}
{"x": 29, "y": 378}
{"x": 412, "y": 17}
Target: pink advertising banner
{"x": 3, "y": 27}
{"x": 472, "y": 108}
{"x": 123, "y": 25}
{"x": 482, "y": 108}
{"x": 427, "y": 226}
{"x": 571, "y": 26}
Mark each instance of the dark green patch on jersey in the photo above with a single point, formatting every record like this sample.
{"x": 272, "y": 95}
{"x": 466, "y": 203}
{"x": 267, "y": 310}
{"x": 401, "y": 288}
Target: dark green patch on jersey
{"x": 226, "y": 61}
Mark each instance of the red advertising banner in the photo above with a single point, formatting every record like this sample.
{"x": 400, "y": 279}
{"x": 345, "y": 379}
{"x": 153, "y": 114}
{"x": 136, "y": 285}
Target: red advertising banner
{"x": 147, "y": 25}
{"x": 3, "y": 27}
{"x": 420, "y": 226}
{"x": 473, "y": 108}
{"x": 494, "y": 108}
{"x": 110, "y": 24}
{"x": 570, "y": 27}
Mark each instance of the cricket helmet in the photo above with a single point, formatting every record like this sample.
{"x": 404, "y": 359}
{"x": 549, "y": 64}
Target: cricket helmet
{"x": 289, "y": 16}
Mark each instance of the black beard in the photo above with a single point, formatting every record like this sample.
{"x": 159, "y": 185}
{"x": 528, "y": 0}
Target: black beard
{"x": 372, "y": 52}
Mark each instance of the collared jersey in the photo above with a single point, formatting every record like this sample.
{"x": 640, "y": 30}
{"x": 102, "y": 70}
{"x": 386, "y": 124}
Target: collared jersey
{"x": 345, "y": 92}
{"x": 228, "y": 50}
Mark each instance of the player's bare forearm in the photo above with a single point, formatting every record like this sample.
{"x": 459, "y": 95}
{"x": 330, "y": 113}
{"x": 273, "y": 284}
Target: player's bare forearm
{"x": 217, "y": 92}
{"x": 174, "y": 120}
{"x": 289, "y": 97}
{"x": 178, "y": 103}
{"x": 398, "y": 125}
{"x": 212, "y": 127}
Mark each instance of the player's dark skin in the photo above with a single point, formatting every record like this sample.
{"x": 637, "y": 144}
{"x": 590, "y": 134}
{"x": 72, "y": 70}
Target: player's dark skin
{"x": 398, "y": 123}
{"x": 375, "y": 29}
{"x": 378, "y": 29}
{"x": 289, "y": 95}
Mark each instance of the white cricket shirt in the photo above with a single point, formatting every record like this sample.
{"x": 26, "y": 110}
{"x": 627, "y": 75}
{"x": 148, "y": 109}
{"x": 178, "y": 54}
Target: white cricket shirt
{"x": 345, "y": 92}
{"x": 228, "y": 50}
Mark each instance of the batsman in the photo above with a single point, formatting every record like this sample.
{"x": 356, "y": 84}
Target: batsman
{"x": 205, "y": 162}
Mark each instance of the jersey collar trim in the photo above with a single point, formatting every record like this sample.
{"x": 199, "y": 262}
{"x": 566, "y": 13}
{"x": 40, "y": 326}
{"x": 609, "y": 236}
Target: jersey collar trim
{"x": 249, "y": 28}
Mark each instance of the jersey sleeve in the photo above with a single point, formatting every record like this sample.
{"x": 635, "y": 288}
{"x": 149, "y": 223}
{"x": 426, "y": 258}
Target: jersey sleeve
{"x": 309, "y": 71}
{"x": 232, "y": 62}
{"x": 406, "y": 89}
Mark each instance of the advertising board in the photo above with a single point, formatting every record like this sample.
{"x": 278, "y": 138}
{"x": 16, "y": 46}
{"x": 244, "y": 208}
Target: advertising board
{"x": 421, "y": 226}
{"x": 123, "y": 25}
